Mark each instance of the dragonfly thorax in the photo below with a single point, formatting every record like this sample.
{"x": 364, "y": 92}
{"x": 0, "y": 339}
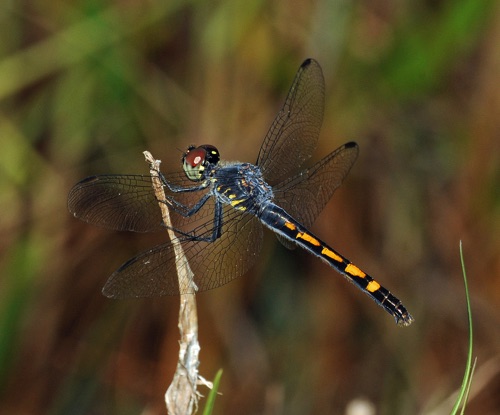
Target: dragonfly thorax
{"x": 242, "y": 186}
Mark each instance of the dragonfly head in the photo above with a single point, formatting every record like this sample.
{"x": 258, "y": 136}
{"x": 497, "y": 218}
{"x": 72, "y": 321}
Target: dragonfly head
{"x": 196, "y": 159}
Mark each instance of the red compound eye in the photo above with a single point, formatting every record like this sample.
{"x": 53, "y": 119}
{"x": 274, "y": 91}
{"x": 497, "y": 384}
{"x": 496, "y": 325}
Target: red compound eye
{"x": 195, "y": 157}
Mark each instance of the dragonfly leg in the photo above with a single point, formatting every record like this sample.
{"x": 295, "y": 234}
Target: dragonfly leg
{"x": 185, "y": 210}
{"x": 180, "y": 189}
{"x": 216, "y": 230}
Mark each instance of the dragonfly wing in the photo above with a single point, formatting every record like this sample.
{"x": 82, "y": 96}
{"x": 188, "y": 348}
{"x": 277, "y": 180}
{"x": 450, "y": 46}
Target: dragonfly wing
{"x": 128, "y": 203}
{"x": 149, "y": 274}
{"x": 294, "y": 133}
{"x": 153, "y": 273}
{"x": 118, "y": 202}
{"x": 305, "y": 195}
{"x": 217, "y": 263}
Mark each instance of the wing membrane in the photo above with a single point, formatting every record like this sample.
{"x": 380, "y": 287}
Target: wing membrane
{"x": 294, "y": 132}
{"x": 153, "y": 273}
{"x": 128, "y": 202}
{"x": 305, "y": 195}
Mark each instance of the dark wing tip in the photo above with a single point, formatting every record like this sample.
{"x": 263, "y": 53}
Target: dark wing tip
{"x": 88, "y": 179}
{"x": 307, "y": 62}
{"x": 73, "y": 195}
{"x": 350, "y": 144}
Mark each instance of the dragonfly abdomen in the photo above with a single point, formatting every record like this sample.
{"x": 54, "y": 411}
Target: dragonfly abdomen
{"x": 283, "y": 224}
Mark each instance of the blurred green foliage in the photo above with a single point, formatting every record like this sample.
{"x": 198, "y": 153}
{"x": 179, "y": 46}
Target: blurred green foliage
{"x": 86, "y": 86}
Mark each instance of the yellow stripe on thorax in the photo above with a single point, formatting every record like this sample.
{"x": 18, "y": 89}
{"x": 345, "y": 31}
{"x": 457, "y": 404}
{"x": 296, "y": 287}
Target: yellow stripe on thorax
{"x": 236, "y": 201}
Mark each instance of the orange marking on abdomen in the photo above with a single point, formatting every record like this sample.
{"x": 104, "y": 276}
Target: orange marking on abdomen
{"x": 329, "y": 253}
{"x": 372, "y": 286}
{"x": 308, "y": 238}
{"x": 290, "y": 226}
{"x": 354, "y": 270}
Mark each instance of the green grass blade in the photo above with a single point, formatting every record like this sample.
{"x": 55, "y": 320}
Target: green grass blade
{"x": 209, "y": 407}
{"x": 467, "y": 389}
{"x": 469, "y": 369}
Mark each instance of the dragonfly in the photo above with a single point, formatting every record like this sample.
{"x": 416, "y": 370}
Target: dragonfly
{"x": 218, "y": 208}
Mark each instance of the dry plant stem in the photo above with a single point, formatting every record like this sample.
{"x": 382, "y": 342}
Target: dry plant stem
{"x": 181, "y": 396}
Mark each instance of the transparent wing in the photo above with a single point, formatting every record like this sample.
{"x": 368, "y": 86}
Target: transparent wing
{"x": 306, "y": 194}
{"x": 294, "y": 133}
{"x": 123, "y": 202}
{"x": 153, "y": 273}
{"x": 128, "y": 202}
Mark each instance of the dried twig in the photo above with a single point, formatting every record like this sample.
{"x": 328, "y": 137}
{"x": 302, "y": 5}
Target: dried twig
{"x": 181, "y": 396}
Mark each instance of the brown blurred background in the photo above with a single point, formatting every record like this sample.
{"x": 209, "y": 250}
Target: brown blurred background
{"x": 86, "y": 86}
